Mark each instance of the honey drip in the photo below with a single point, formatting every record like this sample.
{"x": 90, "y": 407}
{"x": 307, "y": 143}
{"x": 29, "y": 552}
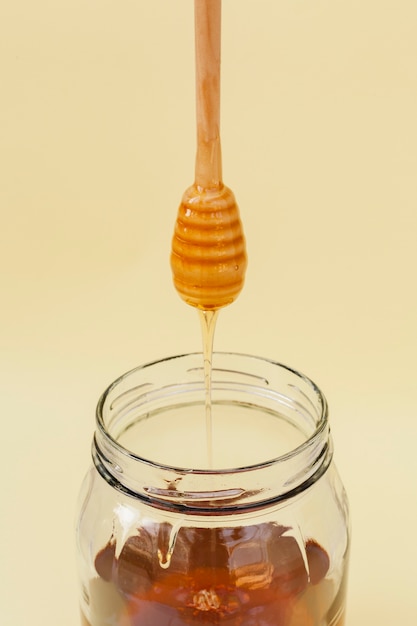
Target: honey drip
{"x": 208, "y": 257}
{"x": 208, "y": 324}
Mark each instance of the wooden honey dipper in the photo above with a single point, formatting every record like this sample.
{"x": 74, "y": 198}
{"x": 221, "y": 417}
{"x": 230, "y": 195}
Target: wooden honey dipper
{"x": 208, "y": 257}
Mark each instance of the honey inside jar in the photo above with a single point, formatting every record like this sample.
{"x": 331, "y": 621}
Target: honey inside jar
{"x": 240, "y": 576}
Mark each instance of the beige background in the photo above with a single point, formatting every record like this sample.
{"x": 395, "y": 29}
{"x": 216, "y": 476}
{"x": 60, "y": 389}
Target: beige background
{"x": 319, "y": 131}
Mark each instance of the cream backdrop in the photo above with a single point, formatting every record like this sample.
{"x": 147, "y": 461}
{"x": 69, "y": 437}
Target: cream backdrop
{"x": 319, "y": 108}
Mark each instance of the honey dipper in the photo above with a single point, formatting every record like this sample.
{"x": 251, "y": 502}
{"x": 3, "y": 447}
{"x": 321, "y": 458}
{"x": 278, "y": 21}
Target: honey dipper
{"x": 208, "y": 257}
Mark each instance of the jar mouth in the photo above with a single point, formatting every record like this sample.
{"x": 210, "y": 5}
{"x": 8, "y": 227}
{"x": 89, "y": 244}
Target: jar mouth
{"x": 144, "y": 391}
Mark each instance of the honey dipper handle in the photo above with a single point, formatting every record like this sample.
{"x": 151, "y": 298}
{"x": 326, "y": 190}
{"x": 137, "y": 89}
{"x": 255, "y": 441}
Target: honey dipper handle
{"x": 208, "y": 168}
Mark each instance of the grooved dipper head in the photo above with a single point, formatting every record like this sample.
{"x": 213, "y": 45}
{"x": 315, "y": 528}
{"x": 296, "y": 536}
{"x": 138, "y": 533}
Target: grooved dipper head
{"x": 208, "y": 258}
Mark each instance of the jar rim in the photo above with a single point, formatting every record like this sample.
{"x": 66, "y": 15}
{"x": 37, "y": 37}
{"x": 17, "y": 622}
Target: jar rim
{"x": 320, "y": 429}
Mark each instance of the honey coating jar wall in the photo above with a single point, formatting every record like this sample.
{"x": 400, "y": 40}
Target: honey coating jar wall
{"x": 260, "y": 538}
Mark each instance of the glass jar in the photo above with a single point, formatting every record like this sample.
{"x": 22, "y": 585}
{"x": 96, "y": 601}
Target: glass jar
{"x": 260, "y": 538}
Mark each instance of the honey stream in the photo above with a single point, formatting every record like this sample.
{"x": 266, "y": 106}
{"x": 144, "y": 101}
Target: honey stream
{"x": 208, "y": 324}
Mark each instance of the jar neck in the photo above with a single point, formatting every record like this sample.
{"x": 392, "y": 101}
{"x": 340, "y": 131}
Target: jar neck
{"x": 259, "y": 395}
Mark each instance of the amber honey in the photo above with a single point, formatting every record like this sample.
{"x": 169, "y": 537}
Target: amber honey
{"x": 243, "y": 576}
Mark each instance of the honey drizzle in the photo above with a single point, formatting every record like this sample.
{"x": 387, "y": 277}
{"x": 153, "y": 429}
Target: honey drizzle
{"x": 208, "y": 321}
